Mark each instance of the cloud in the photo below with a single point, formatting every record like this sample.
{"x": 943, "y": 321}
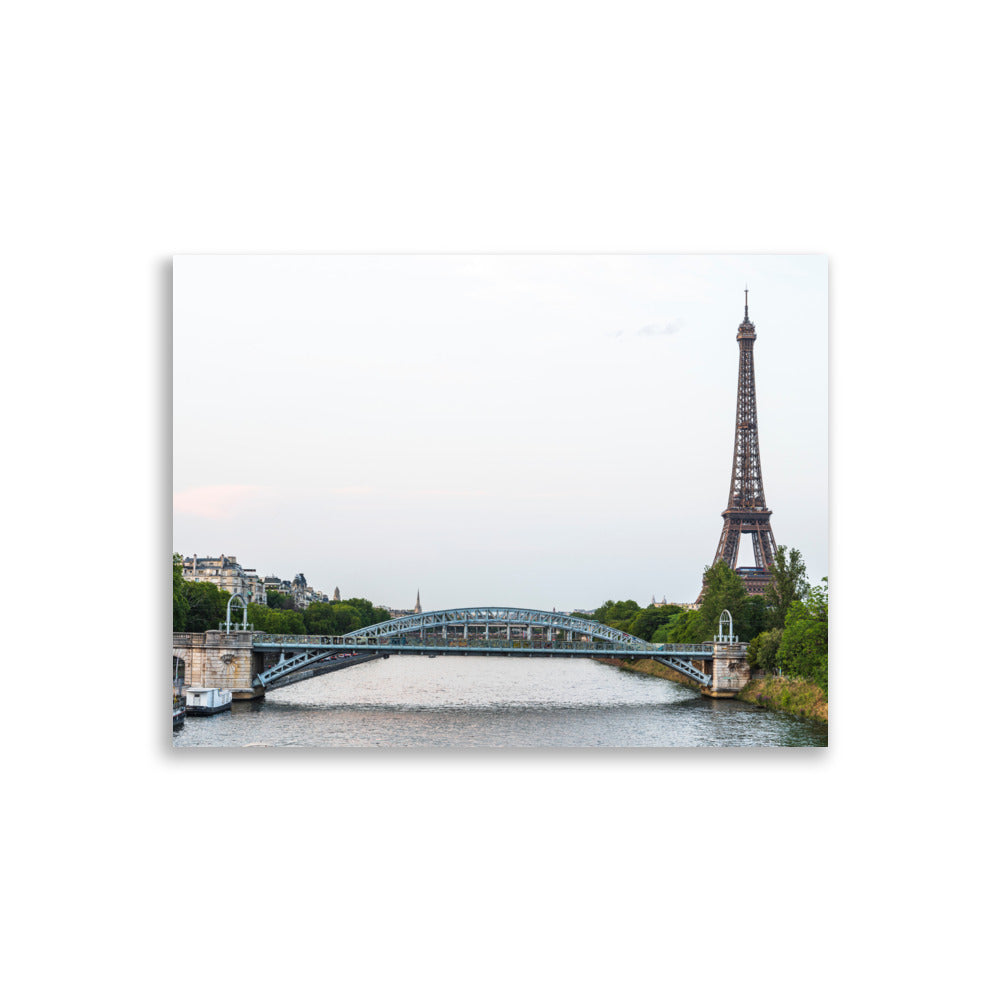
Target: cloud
{"x": 671, "y": 326}
{"x": 663, "y": 330}
{"x": 214, "y": 502}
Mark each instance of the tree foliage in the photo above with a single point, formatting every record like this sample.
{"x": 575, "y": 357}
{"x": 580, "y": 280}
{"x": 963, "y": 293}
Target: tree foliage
{"x": 724, "y": 591}
{"x": 803, "y": 651}
{"x": 206, "y": 606}
{"x": 277, "y": 621}
{"x": 789, "y": 583}
{"x": 690, "y": 626}
{"x": 368, "y": 614}
{"x": 280, "y": 601}
{"x": 646, "y": 622}
{"x": 181, "y": 605}
{"x": 617, "y": 614}
{"x": 762, "y": 653}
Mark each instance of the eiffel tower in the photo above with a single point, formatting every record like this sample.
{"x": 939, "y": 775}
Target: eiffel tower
{"x": 747, "y": 512}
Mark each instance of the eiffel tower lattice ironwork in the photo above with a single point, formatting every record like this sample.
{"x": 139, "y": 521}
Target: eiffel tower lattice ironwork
{"x": 747, "y": 512}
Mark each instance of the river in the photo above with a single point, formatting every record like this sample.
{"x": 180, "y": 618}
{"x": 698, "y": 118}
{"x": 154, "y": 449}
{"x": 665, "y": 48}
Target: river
{"x": 480, "y": 701}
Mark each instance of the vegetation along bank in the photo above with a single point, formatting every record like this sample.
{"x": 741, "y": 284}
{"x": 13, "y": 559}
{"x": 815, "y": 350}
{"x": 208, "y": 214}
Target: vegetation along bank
{"x": 785, "y": 629}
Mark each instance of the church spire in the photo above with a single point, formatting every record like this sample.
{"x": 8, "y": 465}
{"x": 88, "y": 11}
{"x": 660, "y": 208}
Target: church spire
{"x": 416, "y": 610}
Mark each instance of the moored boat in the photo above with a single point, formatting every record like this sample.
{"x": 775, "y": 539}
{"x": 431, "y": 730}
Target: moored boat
{"x": 208, "y": 701}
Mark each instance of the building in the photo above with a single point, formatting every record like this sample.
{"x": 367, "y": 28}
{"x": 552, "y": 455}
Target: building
{"x": 227, "y": 574}
{"x": 401, "y": 613}
{"x": 665, "y": 603}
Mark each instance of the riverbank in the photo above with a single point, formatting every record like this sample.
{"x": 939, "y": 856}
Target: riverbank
{"x": 780, "y": 694}
{"x": 788, "y": 694}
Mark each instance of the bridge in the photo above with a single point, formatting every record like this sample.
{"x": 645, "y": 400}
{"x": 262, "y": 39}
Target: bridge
{"x": 251, "y": 663}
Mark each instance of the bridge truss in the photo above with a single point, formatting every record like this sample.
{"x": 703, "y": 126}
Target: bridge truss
{"x": 472, "y": 631}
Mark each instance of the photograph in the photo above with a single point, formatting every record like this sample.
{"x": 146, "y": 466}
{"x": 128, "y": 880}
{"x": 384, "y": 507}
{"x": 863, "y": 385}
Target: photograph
{"x": 500, "y": 501}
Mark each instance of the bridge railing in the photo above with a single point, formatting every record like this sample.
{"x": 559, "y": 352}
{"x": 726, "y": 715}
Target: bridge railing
{"x": 597, "y": 647}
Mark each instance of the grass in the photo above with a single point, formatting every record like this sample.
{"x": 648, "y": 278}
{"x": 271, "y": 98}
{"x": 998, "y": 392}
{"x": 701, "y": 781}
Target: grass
{"x": 781, "y": 694}
{"x": 788, "y": 694}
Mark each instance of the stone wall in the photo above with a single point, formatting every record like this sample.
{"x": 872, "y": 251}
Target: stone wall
{"x": 730, "y": 670}
{"x": 218, "y": 659}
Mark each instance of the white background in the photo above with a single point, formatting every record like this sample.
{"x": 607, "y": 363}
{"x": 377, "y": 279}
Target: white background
{"x": 133, "y": 132}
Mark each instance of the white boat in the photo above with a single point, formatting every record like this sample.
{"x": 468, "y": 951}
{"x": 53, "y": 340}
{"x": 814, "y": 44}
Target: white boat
{"x": 208, "y": 701}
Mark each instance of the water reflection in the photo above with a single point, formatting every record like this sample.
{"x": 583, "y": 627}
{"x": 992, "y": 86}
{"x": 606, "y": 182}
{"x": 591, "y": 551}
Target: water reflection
{"x": 413, "y": 701}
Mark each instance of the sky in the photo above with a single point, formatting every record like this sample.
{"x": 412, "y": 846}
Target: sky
{"x": 544, "y": 431}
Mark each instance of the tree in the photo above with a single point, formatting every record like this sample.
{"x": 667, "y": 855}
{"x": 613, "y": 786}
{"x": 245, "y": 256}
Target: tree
{"x": 803, "y": 651}
{"x": 319, "y": 619}
{"x": 181, "y": 605}
{"x": 280, "y": 601}
{"x": 617, "y": 614}
{"x": 287, "y": 623}
{"x": 259, "y": 617}
{"x": 690, "y": 626}
{"x": 367, "y": 613}
{"x": 753, "y": 619}
{"x": 762, "y": 653}
{"x": 649, "y": 619}
{"x": 344, "y": 618}
{"x": 206, "y": 606}
{"x": 724, "y": 592}
{"x": 788, "y": 584}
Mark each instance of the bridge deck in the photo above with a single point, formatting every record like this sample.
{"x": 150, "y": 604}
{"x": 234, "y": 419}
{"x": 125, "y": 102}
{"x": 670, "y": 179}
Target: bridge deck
{"x": 335, "y": 644}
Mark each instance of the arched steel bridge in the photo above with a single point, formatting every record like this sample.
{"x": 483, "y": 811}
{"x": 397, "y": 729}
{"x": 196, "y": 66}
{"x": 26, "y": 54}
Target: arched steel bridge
{"x": 468, "y": 632}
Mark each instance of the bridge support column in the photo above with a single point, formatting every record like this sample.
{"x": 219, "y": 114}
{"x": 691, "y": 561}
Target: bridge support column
{"x": 219, "y": 659}
{"x": 729, "y": 668}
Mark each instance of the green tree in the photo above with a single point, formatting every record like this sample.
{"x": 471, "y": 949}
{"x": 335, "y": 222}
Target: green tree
{"x": 367, "y": 613}
{"x": 279, "y": 601}
{"x": 344, "y": 618}
{"x": 181, "y": 605}
{"x": 690, "y": 626}
{"x": 803, "y": 651}
{"x": 754, "y": 618}
{"x": 206, "y": 606}
{"x": 649, "y": 619}
{"x": 261, "y": 618}
{"x": 289, "y": 623}
{"x": 724, "y": 592}
{"x": 617, "y": 614}
{"x": 320, "y": 618}
{"x": 789, "y": 583}
{"x": 762, "y": 653}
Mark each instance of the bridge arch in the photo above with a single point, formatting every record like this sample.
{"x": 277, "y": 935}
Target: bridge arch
{"x": 498, "y": 618}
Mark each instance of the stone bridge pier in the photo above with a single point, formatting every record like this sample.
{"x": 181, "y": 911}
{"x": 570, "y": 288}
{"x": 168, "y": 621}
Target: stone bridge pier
{"x": 219, "y": 659}
{"x": 729, "y": 670}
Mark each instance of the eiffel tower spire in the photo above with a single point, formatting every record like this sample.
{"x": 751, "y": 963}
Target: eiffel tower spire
{"x": 747, "y": 511}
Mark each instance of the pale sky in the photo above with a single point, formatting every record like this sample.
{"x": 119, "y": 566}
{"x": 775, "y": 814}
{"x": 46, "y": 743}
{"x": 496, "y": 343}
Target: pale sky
{"x": 534, "y": 431}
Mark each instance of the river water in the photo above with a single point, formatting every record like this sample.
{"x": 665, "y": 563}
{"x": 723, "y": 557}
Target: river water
{"x": 481, "y": 701}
